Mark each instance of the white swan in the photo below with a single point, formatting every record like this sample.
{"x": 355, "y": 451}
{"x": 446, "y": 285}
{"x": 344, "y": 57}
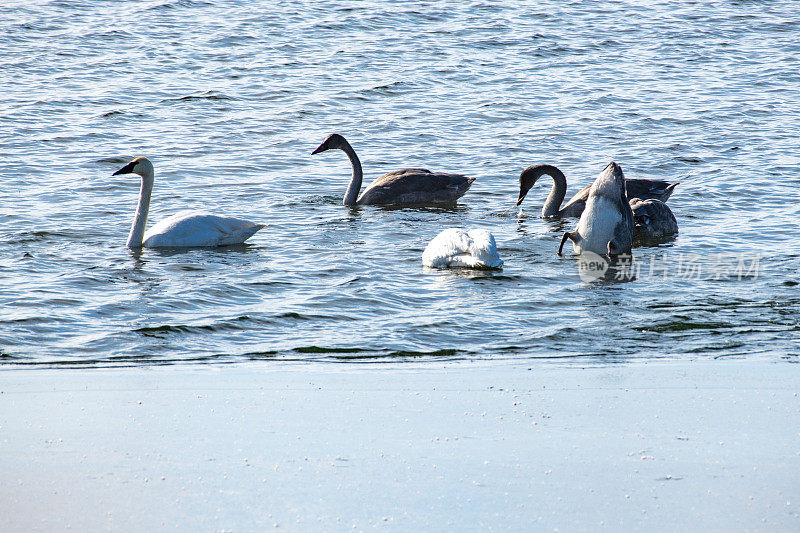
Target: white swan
{"x": 606, "y": 224}
{"x": 184, "y": 229}
{"x": 458, "y": 248}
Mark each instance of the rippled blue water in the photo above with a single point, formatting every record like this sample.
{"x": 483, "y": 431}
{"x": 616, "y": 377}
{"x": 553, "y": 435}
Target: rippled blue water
{"x": 228, "y": 99}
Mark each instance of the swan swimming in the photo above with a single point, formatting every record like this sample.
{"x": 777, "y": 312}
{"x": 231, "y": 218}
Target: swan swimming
{"x": 653, "y": 221}
{"x": 454, "y": 248}
{"x": 636, "y": 188}
{"x": 410, "y": 186}
{"x": 184, "y": 229}
{"x": 606, "y": 224}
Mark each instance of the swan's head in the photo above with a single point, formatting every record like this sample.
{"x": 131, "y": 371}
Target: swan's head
{"x": 141, "y": 166}
{"x": 527, "y": 180}
{"x": 334, "y": 140}
{"x": 531, "y": 174}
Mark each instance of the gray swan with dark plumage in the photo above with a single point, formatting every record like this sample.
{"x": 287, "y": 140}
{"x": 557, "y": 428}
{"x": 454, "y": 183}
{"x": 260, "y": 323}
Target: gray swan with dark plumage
{"x": 410, "y": 186}
{"x": 653, "y": 219}
{"x": 636, "y": 188}
{"x": 606, "y": 225}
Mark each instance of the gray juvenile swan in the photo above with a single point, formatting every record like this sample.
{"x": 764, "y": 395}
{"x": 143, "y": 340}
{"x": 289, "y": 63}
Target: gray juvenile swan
{"x": 410, "y": 186}
{"x": 636, "y": 188}
{"x": 606, "y": 225}
{"x": 653, "y": 221}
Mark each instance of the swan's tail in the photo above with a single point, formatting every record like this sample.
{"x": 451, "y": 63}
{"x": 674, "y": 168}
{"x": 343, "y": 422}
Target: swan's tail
{"x": 668, "y": 191}
{"x": 241, "y": 235}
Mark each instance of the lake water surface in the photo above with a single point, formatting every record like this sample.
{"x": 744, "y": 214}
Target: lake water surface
{"x": 228, "y": 99}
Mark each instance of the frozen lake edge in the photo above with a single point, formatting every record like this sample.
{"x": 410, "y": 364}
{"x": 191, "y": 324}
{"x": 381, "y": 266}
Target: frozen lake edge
{"x": 664, "y": 445}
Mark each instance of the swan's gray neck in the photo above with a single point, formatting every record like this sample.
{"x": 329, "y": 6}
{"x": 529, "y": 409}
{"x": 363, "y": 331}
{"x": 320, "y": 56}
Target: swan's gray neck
{"x": 557, "y": 193}
{"x": 351, "y": 195}
{"x": 136, "y": 236}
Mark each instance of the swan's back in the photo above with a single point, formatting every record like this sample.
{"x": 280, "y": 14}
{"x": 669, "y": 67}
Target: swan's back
{"x": 454, "y": 248}
{"x": 416, "y": 186}
{"x": 196, "y": 229}
{"x": 649, "y": 189}
{"x": 635, "y": 187}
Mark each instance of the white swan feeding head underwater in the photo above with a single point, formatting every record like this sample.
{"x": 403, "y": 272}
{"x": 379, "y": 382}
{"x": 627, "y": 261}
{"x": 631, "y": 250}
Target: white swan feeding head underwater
{"x": 184, "y": 229}
{"x": 456, "y": 248}
{"x": 410, "y": 186}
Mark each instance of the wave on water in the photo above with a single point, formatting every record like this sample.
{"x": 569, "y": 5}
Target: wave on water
{"x": 238, "y": 323}
{"x": 377, "y": 354}
{"x": 178, "y": 4}
{"x": 111, "y": 114}
{"x": 208, "y": 95}
{"x": 390, "y": 89}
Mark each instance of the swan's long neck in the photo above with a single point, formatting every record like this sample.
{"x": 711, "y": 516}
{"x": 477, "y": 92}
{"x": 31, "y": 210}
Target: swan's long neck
{"x": 351, "y": 195}
{"x": 136, "y": 236}
{"x": 557, "y": 193}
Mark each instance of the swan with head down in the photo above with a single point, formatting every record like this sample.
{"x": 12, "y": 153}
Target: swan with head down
{"x": 410, "y": 186}
{"x": 653, "y": 221}
{"x": 184, "y": 229}
{"x": 606, "y": 224}
{"x": 636, "y": 188}
{"x": 456, "y": 248}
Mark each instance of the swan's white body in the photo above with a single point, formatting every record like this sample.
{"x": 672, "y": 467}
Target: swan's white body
{"x": 456, "y": 248}
{"x": 184, "y": 229}
{"x": 196, "y": 229}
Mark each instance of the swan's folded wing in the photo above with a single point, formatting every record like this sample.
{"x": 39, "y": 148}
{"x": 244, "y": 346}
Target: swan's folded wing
{"x": 635, "y": 187}
{"x": 416, "y": 186}
{"x": 653, "y": 221}
{"x": 576, "y": 204}
{"x": 404, "y": 171}
{"x": 449, "y": 244}
{"x": 649, "y": 189}
{"x": 191, "y": 228}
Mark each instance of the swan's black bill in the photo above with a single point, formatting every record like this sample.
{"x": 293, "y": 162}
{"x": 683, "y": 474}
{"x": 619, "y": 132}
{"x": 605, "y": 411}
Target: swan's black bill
{"x": 127, "y": 169}
{"x": 321, "y": 148}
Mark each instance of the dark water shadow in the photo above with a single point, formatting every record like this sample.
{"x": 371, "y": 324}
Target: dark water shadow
{"x": 422, "y": 208}
{"x": 139, "y": 253}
